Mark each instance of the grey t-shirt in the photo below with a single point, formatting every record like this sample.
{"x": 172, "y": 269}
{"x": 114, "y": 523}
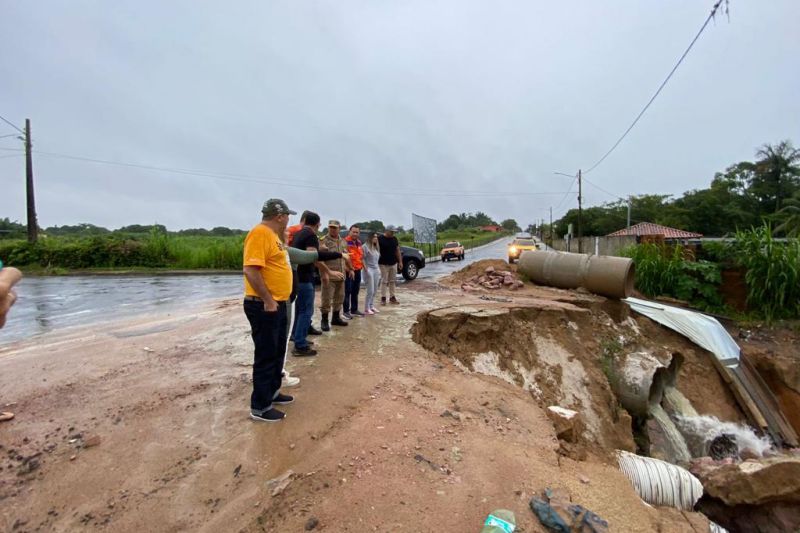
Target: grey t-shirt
{"x": 371, "y": 257}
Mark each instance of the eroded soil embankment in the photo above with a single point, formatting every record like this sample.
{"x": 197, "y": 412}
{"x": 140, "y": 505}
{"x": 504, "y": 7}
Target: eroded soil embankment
{"x": 564, "y": 355}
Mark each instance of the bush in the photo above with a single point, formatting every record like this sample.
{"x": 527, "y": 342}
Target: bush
{"x": 719, "y": 252}
{"x": 772, "y": 273}
{"x": 663, "y": 271}
{"x": 158, "y": 250}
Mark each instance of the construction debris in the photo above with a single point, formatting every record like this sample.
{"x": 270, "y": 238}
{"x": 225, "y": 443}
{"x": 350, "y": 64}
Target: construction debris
{"x": 752, "y": 394}
{"x": 493, "y": 279}
{"x": 556, "y": 513}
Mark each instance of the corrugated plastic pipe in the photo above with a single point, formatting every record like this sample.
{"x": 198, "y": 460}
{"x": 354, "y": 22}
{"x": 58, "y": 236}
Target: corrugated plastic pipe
{"x": 600, "y": 274}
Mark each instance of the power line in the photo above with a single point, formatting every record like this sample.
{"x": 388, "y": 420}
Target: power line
{"x": 9, "y": 155}
{"x": 11, "y": 124}
{"x": 618, "y": 197}
{"x": 295, "y": 184}
{"x": 567, "y": 193}
{"x": 663, "y": 84}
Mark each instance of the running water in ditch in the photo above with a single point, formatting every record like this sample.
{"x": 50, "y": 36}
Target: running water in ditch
{"x": 676, "y": 404}
{"x": 700, "y": 431}
{"x": 675, "y": 443}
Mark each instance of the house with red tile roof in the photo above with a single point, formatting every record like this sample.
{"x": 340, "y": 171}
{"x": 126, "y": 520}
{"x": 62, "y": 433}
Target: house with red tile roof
{"x": 491, "y": 227}
{"x": 649, "y": 229}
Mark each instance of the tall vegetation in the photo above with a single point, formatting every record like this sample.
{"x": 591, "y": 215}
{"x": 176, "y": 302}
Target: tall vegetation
{"x": 772, "y": 273}
{"x": 158, "y": 249}
{"x": 771, "y": 267}
{"x": 664, "y": 271}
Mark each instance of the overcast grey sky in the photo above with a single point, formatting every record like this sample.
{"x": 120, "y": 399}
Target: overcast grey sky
{"x": 408, "y": 97}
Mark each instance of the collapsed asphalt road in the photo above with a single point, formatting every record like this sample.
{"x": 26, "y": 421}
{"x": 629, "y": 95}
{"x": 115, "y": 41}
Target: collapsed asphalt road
{"x": 495, "y": 250}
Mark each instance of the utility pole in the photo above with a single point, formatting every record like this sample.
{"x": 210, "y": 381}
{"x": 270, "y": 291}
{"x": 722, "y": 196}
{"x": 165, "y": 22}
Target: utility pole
{"x": 550, "y": 230}
{"x": 33, "y": 227}
{"x": 629, "y": 212}
{"x": 580, "y": 214}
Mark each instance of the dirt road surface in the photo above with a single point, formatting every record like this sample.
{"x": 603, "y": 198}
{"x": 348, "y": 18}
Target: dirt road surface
{"x": 143, "y": 425}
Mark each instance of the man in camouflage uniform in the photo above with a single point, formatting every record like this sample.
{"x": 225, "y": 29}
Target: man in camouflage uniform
{"x": 333, "y": 290}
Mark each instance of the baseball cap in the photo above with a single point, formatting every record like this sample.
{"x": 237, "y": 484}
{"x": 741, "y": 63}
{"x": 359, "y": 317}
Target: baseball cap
{"x": 276, "y": 206}
{"x": 391, "y": 228}
{"x": 334, "y": 223}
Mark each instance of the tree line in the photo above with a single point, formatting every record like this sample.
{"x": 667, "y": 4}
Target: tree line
{"x": 744, "y": 195}
{"x": 14, "y": 230}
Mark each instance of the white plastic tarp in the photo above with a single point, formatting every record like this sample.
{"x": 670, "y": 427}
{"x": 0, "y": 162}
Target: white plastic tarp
{"x": 703, "y": 330}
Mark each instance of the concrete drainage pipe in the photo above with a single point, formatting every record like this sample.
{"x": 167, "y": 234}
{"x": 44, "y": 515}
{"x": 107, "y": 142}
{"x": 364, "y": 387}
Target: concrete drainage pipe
{"x": 600, "y": 274}
{"x": 639, "y": 380}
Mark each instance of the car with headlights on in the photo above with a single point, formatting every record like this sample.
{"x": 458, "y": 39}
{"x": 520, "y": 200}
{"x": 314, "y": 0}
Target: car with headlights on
{"x": 519, "y": 245}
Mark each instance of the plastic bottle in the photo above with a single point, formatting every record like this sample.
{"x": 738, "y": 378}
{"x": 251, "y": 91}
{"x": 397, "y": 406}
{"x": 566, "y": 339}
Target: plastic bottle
{"x": 500, "y": 521}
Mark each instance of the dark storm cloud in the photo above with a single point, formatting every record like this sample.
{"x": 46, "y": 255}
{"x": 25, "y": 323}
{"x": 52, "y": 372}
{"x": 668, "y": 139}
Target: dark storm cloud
{"x": 381, "y": 99}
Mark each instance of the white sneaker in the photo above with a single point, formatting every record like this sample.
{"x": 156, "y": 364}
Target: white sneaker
{"x": 290, "y": 381}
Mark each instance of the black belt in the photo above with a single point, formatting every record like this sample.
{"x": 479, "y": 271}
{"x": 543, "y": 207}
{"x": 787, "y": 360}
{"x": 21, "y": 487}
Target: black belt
{"x": 258, "y": 299}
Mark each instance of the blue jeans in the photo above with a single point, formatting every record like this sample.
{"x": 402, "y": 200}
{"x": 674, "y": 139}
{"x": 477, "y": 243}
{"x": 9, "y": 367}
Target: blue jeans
{"x": 351, "y": 288}
{"x": 269, "y": 338}
{"x": 304, "y": 309}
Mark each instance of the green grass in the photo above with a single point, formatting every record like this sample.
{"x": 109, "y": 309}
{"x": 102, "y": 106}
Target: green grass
{"x": 468, "y": 238}
{"x": 207, "y": 252}
{"x": 124, "y": 252}
{"x": 161, "y": 251}
{"x": 610, "y": 350}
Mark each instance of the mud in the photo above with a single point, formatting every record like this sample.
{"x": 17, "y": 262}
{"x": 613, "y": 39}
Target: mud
{"x": 384, "y": 435}
{"x": 776, "y": 356}
{"x": 547, "y": 348}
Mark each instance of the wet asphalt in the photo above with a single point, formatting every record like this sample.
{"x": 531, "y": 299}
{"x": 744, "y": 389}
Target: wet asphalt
{"x": 46, "y": 304}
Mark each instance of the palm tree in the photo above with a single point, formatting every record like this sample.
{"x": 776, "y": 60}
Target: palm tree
{"x": 777, "y": 171}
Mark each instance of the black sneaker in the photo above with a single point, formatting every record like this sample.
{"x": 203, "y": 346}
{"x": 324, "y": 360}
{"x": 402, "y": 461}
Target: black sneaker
{"x": 313, "y": 331}
{"x": 270, "y": 415}
{"x": 310, "y": 343}
{"x": 283, "y": 399}
{"x": 308, "y": 351}
{"x": 383, "y": 300}
{"x": 393, "y": 300}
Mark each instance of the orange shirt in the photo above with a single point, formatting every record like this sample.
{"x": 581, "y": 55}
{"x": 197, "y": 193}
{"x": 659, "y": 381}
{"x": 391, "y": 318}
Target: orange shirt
{"x": 356, "y": 252}
{"x": 264, "y": 249}
{"x": 293, "y": 230}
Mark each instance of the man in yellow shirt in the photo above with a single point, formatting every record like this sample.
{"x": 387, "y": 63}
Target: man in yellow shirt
{"x": 268, "y": 285}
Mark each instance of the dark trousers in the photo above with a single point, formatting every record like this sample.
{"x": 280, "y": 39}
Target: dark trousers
{"x": 351, "y": 288}
{"x": 304, "y": 310}
{"x": 269, "y": 337}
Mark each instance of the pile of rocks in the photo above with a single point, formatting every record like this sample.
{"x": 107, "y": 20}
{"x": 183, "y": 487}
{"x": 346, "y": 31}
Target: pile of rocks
{"x": 493, "y": 279}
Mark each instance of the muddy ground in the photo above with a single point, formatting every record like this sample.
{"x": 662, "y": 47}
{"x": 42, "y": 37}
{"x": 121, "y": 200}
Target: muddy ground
{"x": 143, "y": 425}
